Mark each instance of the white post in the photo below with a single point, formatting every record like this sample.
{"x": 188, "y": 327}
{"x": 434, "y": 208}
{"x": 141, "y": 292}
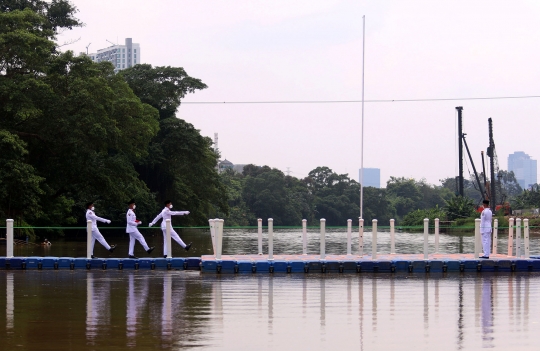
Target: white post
{"x": 477, "y": 237}
{"x": 89, "y": 239}
{"x": 219, "y": 232}
{"x": 349, "y": 233}
{"x": 426, "y": 232}
{"x": 526, "y": 237}
{"x": 392, "y": 237}
{"x": 9, "y": 238}
{"x": 374, "y": 240}
{"x": 259, "y": 226}
{"x": 168, "y": 237}
{"x": 360, "y": 237}
{"x": 323, "y": 242}
{"x": 270, "y": 239}
{"x": 304, "y": 236}
{"x": 436, "y": 235}
{"x": 495, "y": 235}
{"x": 518, "y": 238}
{"x": 212, "y": 223}
{"x": 510, "y": 237}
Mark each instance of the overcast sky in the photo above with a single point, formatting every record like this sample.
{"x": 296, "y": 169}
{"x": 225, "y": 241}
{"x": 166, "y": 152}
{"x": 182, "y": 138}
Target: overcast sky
{"x": 312, "y": 50}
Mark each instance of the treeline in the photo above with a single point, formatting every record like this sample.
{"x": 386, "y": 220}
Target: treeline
{"x": 73, "y": 131}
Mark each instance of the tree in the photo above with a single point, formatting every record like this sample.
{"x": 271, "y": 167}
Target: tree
{"x": 459, "y": 207}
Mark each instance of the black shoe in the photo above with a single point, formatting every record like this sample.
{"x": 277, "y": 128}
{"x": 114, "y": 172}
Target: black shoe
{"x": 93, "y": 256}
{"x": 133, "y": 257}
{"x": 187, "y": 247}
{"x": 149, "y": 251}
{"x": 112, "y": 248}
{"x": 164, "y": 256}
{"x": 484, "y": 257}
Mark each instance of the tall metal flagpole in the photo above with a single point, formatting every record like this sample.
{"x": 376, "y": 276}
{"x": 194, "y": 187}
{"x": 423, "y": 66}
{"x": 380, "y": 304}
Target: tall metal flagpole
{"x": 362, "y": 153}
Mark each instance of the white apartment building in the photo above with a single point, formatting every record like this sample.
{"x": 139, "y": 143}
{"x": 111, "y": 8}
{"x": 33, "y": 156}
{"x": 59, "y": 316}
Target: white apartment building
{"x": 121, "y": 56}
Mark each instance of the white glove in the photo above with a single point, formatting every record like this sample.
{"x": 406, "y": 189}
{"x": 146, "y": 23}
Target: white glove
{"x": 186, "y": 213}
{"x": 151, "y": 224}
{"x": 108, "y": 221}
{"x": 139, "y": 223}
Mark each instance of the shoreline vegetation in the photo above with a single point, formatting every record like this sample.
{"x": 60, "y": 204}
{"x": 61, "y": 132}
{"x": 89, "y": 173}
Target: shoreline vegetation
{"x": 73, "y": 131}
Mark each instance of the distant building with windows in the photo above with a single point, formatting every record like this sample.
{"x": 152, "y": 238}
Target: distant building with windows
{"x": 372, "y": 177}
{"x": 121, "y": 56}
{"x": 524, "y": 168}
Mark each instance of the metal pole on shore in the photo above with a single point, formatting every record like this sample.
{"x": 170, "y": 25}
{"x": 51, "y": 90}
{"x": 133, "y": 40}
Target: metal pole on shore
{"x": 323, "y": 238}
{"x": 526, "y": 238}
{"x": 426, "y": 233}
{"x": 510, "y": 237}
{"x": 304, "y": 236}
{"x": 9, "y": 238}
{"x": 270, "y": 239}
{"x": 168, "y": 238}
{"x": 360, "y": 237}
{"x": 518, "y": 238}
{"x": 374, "y": 240}
{"x": 476, "y": 237}
{"x": 349, "y": 234}
{"x": 88, "y": 239}
{"x": 362, "y": 138}
{"x": 436, "y": 235}
{"x": 392, "y": 238}
{"x": 495, "y": 235}
{"x": 259, "y": 228}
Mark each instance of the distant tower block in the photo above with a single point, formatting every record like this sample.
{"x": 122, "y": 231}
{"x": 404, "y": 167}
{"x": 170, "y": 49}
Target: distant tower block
{"x": 215, "y": 141}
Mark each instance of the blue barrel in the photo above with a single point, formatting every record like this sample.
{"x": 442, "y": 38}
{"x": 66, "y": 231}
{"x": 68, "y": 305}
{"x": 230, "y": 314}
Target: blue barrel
{"x": 16, "y": 262}
{"x": 97, "y": 263}
{"x": 79, "y": 263}
{"x": 504, "y": 265}
{"x": 280, "y": 266}
{"x": 350, "y": 266}
{"x": 297, "y": 266}
{"x": 228, "y": 266}
{"x": 64, "y": 262}
{"x": 436, "y": 266}
{"x": 2, "y": 262}
{"x": 418, "y": 266}
{"x": 145, "y": 263}
{"x": 488, "y": 265}
{"x": 535, "y": 265}
{"x": 177, "y": 263}
{"x": 470, "y": 265}
{"x": 113, "y": 263}
{"x": 33, "y": 262}
{"x": 161, "y": 263}
{"x": 209, "y": 266}
{"x": 367, "y": 266}
{"x": 48, "y": 262}
{"x": 130, "y": 263}
{"x": 401, "y": 265}
{"x": 262, "y": 266}
{"x": 193, "y": 263}
{"x": 245, "y": 266}
{"x": 333, "y": 266}
{"x": 314, "y": 267}
{"x": 452, "y": 265}
{"x": 384, "y": 266}
{"x": 523, "y": 265}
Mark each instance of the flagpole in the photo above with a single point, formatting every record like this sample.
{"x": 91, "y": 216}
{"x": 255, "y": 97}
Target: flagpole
{"x": 362, "y": 152}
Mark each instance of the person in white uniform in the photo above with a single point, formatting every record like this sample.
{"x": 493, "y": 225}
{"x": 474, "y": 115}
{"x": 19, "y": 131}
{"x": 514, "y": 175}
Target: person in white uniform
{"x": 485, "y": 228}
{"x": 96, "y": 235}
{"x": 134, "y": 234}
{"x": 165, "y": 214}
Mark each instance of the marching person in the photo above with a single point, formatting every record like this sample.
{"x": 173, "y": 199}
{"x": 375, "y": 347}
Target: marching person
{"x": 165, "y": 214}
{"x": 96, "y": 235}
{"x": 131, "y": 229}
{"x": 485, "y": 228}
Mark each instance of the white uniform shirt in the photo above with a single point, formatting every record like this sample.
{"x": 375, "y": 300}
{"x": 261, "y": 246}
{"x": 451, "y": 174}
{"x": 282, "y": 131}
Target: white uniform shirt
{"x": 91, "y": 216}
{"x": 485, "y": 223}
{"x": 131, "y": 224}
{"x": 166, "y": 214}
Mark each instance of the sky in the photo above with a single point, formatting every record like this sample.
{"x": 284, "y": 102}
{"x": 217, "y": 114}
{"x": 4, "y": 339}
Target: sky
{"x": 311, "y": 50}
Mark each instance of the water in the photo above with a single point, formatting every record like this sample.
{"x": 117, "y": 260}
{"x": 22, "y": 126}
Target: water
{"x": 178, "y": 310}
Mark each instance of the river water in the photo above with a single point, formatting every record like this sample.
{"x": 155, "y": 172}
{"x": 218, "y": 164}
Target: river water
{"x": 178, "y": 310}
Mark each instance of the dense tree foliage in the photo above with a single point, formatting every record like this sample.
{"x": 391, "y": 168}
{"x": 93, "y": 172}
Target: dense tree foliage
{"x": 73, "y": 131}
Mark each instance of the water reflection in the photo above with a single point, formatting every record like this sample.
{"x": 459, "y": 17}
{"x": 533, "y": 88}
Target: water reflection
{"x": 177, "y": 310}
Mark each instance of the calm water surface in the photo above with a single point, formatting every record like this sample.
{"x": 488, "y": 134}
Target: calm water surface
{"x": 177, "y": 310}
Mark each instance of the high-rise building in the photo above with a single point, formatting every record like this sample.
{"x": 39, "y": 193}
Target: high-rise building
{"x": 524, "y": 168}
{"x": 372, "y": 177}
{"x": 121, "y": 56}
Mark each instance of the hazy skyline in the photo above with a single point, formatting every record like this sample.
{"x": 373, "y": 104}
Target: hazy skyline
{"x": 312, "y": 50}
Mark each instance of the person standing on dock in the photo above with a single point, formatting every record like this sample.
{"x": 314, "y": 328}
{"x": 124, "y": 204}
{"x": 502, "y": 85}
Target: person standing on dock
{"x": 485, "y": 228}
{"x": 165, "y": 214}
{"x": 96, "y": 235}
{"x": 134, "y": 234}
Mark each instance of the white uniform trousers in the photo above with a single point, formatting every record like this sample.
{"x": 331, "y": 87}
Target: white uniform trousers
{"x": 486, "y": 243}
{"x": 96, "y": 235}
{"x": 136, "y": 236}
{"x": 174, "y": 236}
